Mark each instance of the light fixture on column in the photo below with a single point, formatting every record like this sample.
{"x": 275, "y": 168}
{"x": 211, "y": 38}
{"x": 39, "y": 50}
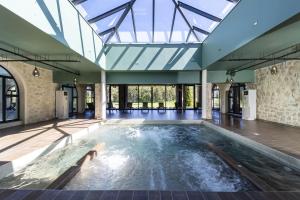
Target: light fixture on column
{"x": 35, "y": 72}
{"x": 75, "y": 81}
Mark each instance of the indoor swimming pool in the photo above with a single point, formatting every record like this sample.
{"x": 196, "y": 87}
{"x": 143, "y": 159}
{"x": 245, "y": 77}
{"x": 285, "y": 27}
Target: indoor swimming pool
{"x": 156, "y": 157}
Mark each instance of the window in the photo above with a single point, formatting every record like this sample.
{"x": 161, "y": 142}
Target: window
{"x": 133, "y": 95}
{"x": 89, "y": 97}
{"x": 9, "y": 97}
{"x": 112, "y": 95}
{"x": 189, "y": 97}
{"x": 215, "y": 97}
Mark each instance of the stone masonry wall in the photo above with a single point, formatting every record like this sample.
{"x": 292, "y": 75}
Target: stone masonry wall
{"x": 278, "y": 96}
{"x": 37, "y": 94}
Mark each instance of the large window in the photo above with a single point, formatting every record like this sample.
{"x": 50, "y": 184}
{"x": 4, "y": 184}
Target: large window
{"x": 133, "y": 95}
{"x": 159, "y": 95}
{"x": 9, "y": 97}
{"x": 145, "y": 95}
{"x": 215, "y": 97}
{"x": 189, "y": 100}
{"x": 198, "y": 96}
{"x": 112, "y": 92}
{"x": 170, "y": 96}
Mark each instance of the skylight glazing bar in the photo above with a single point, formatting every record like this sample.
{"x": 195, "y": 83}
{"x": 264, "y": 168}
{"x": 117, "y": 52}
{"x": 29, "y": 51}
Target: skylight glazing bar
{"x": 107, "y": 31}
{"x": 233, "y": 1}
{"x": 188, "y": 36}
{"x": 122, "y": 18}
{"x": 109, "y": 13}
{"x": 110, "y": 36}
{"x": 133, "y": 24}
{"x": 153, "y": 19}
{"x": 118, "y": 36}
{"x": 201, "y": 30}
{"x": 185, "y": 19}
{"x": 199, "y": 12}
{"x": 76, "y": 2}
{"x": 173, "y": 21}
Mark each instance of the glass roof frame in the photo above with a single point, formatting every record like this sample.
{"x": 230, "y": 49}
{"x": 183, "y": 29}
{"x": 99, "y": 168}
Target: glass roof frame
{"x": 195, "y": 33}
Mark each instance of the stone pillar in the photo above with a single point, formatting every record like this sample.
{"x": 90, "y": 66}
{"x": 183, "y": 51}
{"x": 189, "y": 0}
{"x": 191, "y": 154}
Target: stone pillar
{"x": 81, "y": 97}
{"x": 224, "y": 88}
{"x": 206, "y": 97}
{"x": 100, "y": 98}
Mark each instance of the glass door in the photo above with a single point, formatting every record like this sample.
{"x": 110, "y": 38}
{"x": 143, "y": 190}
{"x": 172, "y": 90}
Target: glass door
{"x": 133, "y": 95}
{"x": 159, "y": 95}
{"x": 188, "y": 98}
{"x": 145, "y": 95}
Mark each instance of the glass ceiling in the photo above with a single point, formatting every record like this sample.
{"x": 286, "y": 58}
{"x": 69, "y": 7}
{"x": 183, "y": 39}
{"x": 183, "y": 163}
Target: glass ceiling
{"x": 154, "y": 21}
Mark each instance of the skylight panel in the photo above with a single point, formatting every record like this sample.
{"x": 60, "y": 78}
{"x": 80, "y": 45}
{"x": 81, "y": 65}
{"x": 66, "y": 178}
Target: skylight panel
{"x": 152, "y": 20}
{"x": 163, "y": 20}
{"x": 143, "y": 20}
{"x": 126, "y": 31}
{"x": 180, "y": 30}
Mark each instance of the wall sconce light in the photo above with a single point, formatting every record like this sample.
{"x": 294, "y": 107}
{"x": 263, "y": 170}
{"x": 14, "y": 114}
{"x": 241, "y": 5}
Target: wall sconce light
{"x": 273, "y": 70}
{"x": 36, "y": 72}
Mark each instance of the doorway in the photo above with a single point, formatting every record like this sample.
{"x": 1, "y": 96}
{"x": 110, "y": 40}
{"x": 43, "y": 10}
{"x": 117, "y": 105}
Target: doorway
{"x": 72, "y": 98}
{"x": 235, "y": 99}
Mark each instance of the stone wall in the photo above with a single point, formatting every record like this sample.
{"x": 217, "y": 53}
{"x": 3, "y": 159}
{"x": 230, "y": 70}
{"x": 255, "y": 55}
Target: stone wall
{"x": 37, "y": 94}
{"x": 278, "y": 96}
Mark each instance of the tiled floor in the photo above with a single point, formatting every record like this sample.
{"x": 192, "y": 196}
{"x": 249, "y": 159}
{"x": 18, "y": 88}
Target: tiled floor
{"x": 143, "y": 195}
{"x": 278, "y": 136}
{"x": 18, "y": 141}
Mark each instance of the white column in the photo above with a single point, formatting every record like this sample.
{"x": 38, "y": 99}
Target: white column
{"x": 206, "y": 97}
{"x": 100, "y": 98}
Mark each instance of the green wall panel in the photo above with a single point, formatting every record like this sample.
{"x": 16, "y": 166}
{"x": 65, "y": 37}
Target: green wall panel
{"x": 153, "y": 57}
{"x": 239, "y": 28}
{"x": 247, "y": 76}
{"x": 171, "y": 77}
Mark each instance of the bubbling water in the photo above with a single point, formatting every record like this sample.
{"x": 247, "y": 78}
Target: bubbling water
{"x": 156, "y": 158}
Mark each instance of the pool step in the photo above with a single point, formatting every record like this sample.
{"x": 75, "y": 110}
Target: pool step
{"x": 255, "y": 180}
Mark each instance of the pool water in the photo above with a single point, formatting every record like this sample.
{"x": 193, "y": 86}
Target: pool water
{"x": 148, "y": 157}
{"x": 156, "y": 157}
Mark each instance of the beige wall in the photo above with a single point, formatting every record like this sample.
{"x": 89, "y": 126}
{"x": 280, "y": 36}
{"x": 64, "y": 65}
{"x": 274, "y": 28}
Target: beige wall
{"x": 278, "y": 96}
{"x": 37, "y": 94}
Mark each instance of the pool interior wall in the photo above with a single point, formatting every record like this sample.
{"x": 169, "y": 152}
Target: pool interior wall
{"x": 162, "y": 157}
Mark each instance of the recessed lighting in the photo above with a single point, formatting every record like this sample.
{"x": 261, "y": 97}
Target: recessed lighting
{"x": 255, "y": 23}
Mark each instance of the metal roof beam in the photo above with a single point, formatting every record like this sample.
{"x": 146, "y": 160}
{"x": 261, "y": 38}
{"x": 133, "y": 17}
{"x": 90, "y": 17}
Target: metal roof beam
{"x": 107, "y": 31}
{"x": 109, "y": 13}
{"x": 185, "y": 19}
{"x": 133, "y": 24}
{"x": 233, "y": 1}
{"x": 76, "y": 2}
{"x": 201, "y": 30}
{"x": 126, "y": 11}
{"x": 199, "y": 12}
{"x": 173, "y": 21}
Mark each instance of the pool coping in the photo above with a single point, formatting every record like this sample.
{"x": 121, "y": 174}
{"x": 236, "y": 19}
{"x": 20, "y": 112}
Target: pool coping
{"x": 274, "y": 154}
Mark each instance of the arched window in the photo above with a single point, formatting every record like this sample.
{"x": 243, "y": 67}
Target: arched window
{"x": 9, "y": 97}
{"x": 215, "y": 97}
